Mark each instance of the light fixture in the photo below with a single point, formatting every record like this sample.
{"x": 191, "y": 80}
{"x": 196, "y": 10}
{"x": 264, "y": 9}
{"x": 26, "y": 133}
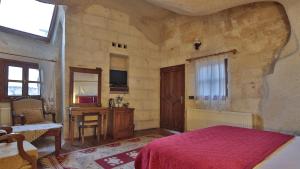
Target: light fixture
{"x": 197, "y": 44}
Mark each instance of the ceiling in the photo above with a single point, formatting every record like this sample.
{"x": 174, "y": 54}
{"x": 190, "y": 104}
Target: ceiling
{"x": 149, "y": 15}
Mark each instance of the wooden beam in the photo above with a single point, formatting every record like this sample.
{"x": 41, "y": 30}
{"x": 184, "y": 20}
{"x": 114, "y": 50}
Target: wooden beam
{"x": 233, "y": 51}
{"x": 30, "y": 57}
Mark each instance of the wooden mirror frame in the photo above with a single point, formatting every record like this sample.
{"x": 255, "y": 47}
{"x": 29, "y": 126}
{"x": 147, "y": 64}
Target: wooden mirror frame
{"x": 71, "y": 89}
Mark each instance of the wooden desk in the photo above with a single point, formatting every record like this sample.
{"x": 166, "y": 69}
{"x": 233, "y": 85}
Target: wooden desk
{"x": 74, "y": 112}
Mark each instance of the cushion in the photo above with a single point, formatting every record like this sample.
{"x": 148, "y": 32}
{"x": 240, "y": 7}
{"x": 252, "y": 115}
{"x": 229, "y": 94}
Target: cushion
{"x": 3, "y": 132}
{"x": 10, "y": 158}
{"x": 33, "y": 116}
{"x": 90, "y": 118}
{"x": 34, "y": 131}
{"x": 90, "y": 123}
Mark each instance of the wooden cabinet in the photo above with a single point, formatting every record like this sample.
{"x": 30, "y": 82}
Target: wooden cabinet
{"x": 121, "y": 123}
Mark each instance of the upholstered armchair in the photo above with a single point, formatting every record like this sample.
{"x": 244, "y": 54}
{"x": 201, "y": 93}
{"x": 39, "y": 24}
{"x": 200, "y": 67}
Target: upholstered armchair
{"x": 29, "y": 119}
{"x": 15, "y": 152}
{"x": 29, "y": 111}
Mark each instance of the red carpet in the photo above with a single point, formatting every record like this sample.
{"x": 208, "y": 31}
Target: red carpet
{"x": 118, "y": 155}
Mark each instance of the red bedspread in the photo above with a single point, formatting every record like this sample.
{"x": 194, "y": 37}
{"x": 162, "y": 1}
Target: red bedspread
{"x": 220, "y": 147}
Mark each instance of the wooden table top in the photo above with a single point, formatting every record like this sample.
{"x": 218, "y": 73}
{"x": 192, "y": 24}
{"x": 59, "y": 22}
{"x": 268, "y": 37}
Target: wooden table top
{"x": 88, "y": 108}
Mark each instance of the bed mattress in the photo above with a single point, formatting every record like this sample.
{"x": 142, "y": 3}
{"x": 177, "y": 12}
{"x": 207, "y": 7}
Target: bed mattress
{"x": 286, "y": 157}
{"x": 221, "y": 147}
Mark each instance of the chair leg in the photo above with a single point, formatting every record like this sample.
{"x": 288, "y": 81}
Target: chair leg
{"x": 82, "y": 135}
{"x": 79, "y": 131}
{"x": 98, "y": 136}
{"x": 95, "y": 132}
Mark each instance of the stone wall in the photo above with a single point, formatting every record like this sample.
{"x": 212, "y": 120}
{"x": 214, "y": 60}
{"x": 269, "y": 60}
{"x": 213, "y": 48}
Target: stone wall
{"x": 280, "y": 103}
{"x": 90, "y": 34}
{"x": 263, "y": 79}
{"x": 257, "y": 31}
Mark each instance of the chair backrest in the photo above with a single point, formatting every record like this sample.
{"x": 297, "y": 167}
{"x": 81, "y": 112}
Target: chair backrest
{"x": 32, "y": 109}
{"x": 26, "y": 103}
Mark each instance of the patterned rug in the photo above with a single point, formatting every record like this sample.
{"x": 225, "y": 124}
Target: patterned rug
{"x": 118, "y": 155}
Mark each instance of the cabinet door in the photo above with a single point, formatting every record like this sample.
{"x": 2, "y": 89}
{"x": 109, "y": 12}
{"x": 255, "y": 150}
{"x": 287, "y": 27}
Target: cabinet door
{"x": 123, "y": 123}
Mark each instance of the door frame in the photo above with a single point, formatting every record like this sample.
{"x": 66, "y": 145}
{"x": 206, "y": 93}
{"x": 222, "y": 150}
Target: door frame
{"x": 173, "y": 68}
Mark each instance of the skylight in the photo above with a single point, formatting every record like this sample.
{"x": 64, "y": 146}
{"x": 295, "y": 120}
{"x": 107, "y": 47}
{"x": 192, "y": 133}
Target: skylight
{"x": 29, "y": 16}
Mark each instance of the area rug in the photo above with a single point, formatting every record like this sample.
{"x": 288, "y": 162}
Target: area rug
{"x": 118, "y": 155}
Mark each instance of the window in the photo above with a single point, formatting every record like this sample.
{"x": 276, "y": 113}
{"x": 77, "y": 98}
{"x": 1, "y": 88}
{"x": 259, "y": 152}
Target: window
{"x": 27, "y": 17}
{"x": 15, "y": 81}
{"x": 212, "y": 82}
{"x": 20, "y": 79}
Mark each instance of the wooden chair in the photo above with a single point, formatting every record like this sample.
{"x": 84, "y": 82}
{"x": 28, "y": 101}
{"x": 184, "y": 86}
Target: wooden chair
{"x": 30, "y": 112}
{"x": 89, "y": 120}
{"x": 18, "y": 153}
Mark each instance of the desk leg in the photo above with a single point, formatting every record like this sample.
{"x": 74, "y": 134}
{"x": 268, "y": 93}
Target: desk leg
{"x": 72, "y": 129}
{"x": 105, "y": 126}
{"x": 102, "y": 124}
{"x": 99, "y": 128}
{"x": 70, "y": 125}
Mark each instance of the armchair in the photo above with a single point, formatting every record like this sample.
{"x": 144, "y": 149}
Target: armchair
{"x": 29, "y": 111}
{"x": 15, "y": 152}
{"x": 29, "y": 119}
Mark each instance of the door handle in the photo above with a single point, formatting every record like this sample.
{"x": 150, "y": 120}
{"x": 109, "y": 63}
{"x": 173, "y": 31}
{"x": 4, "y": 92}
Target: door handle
{"x": 181, "y": 99}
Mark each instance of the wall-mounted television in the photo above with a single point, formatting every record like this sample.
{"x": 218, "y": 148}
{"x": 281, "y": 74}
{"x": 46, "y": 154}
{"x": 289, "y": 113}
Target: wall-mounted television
{"x": 118, "y": 78}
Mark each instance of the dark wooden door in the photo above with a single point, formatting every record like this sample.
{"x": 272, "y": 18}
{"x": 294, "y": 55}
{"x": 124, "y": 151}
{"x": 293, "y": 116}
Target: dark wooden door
{"x": 172, "y": 92}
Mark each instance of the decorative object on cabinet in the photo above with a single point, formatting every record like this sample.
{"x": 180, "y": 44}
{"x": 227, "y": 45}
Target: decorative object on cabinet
{"x": 111, "y": 103}
{"x": 126, "y": 105}
{"x": 118, "y": 101}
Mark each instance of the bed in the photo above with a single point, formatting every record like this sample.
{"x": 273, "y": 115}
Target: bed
{"x": 222, "y": 147}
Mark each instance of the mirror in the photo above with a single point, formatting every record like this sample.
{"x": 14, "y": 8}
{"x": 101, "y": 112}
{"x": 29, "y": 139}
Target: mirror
{"x": 85, "y": 86}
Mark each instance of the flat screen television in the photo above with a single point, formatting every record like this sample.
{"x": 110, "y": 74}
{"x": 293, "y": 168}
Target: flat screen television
{"x": 118, "y": 78}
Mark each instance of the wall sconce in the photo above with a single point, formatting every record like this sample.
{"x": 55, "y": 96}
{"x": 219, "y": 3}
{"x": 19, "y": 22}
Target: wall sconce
{"x": 197, "y": 44}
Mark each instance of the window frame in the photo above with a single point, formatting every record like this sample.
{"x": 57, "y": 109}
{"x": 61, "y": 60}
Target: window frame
{"x": 226, "y": 67}
{"x": 33, "y": 36}
{"x": 226, "y": 60}
{"x": 25, "y": 79}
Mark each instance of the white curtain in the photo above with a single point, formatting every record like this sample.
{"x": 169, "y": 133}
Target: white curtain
{"x": 48, "y": 79}
{"x": 211, "y": 82}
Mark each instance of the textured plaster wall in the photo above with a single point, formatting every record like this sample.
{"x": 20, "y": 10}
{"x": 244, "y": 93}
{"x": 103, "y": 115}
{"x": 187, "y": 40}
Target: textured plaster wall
{"x": 280, "y": 104}
{"x": 257, "y": 31}
{"x": 90, "y": 34}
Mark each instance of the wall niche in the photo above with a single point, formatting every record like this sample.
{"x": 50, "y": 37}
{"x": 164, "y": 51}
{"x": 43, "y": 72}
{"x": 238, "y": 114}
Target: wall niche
{"x": 118, "y": 74}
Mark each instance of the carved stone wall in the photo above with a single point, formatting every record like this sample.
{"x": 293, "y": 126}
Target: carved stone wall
{"x": 258, "y": 31}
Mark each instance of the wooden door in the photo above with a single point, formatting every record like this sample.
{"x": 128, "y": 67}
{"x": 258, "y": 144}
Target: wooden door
{"x": 172, "y": 92}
